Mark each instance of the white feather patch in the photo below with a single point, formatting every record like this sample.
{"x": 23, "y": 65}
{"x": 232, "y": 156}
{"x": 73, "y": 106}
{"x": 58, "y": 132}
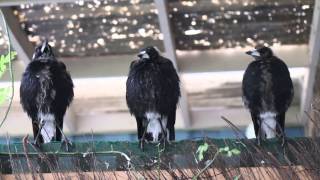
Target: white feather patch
{"x": 144, "y": 55}
{"x": 154, "y": 126}
{"x": 268, "y": 124}
{"x": 48, "y": 130}
{"x": 43, "y": 47}
{"x": 255, "y": 53}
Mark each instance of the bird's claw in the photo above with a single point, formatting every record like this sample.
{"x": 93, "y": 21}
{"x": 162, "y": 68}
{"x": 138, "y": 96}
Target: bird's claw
{"x": 283, "y": 141}
{"x": 66, "y": 145}
{"x": 259, "y": 141}
{"x": 36, "y": 144}
{"x": 141, "y": 144}
{"x": 164, "y": 142}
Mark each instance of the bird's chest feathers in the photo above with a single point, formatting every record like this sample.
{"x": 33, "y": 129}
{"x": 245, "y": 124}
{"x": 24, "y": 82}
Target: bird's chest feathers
{"x": 43, "y": 74}
{"x": 46, "y": 91}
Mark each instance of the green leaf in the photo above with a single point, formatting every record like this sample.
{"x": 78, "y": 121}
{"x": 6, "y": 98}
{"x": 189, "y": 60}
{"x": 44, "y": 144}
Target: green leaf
{"x": 4, "y": 60}
{"x": 4, "y": 93}
{"x": 201, "y": 150}
{"x": 237, "y": 177}
{"x": 7, "y": 58}
{"x": 235, "y": 151}
{"x": 229, "y": 154}
{"x": 226, "y": 148}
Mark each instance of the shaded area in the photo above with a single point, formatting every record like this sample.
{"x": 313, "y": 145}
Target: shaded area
{"x": 234, "y": 23}
{"x": 223, "y": 155}
{"x": 92, "y": 28}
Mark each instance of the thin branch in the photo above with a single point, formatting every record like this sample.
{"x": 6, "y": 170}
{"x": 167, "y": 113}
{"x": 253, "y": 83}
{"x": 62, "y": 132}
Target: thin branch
{"x": 207, "y": 166}
{"x": 10, "y": 69}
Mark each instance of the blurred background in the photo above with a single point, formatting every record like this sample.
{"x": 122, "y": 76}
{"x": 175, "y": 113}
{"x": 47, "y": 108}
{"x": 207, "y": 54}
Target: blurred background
{"x": 206, "y": 39}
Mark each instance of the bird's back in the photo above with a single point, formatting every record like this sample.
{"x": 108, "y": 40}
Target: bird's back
{"x": 152, "y": 86}
{"x": 45, "y": 85}
{"x": 267, "y": 86}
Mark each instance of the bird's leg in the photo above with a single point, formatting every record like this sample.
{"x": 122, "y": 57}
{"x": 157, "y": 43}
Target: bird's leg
{"x": 280, "y": 125}
{"x": 283, "y": 141}
{"x": 141, "y": 141}
{"x": 259, "y": 138}
{"x": 141, "y": 131}
{"x": 163, "y": 139}
{"x": 36, "y": 139}
{"x": 66, "y": 143}
{"x": 141, "y": 144}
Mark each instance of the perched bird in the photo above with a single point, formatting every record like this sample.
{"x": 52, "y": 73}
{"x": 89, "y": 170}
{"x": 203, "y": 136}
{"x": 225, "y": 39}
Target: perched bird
{"x": 45, "y": 93}
{"x": 153, "y": 91}
{"x": 267, "y": 93}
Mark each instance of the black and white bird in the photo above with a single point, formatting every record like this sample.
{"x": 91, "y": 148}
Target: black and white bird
{"x": 153, "y": 91}
{"x": 267, "y": 93}
{"x": 45, "y": 93}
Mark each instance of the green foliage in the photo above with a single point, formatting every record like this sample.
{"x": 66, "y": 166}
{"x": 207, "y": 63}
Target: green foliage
{"x": 4, "y": 60}
{"x": 201, "y": 150}
{"x": 4, "y": 93}
{"x": 237, "y": 177}
{"x": 229, "y": 152}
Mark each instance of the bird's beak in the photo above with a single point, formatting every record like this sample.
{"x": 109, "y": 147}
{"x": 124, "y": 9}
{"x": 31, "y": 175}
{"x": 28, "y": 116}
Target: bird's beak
{"x": 253, "y": 53}
{"x": 44, "y": 46}
{"x": 140, "y": 55}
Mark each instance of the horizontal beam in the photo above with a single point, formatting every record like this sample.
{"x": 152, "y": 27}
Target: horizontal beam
{"x": 203, "y": 4}
{"x": 5, "y": 3}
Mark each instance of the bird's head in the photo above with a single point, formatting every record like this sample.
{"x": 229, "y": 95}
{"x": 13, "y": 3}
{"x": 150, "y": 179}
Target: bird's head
{"x": 149, "y": 53}
{"x": 260, "y": 52}
{"x": 43, "y": 51}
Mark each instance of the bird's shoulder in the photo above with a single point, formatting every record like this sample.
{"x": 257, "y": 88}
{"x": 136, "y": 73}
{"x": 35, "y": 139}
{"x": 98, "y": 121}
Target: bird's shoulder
{"x": 277, "y": 61}
{"x": 61, "y": 65}
{"x": 134, "y": 62}
{"x": 165, "y": 62}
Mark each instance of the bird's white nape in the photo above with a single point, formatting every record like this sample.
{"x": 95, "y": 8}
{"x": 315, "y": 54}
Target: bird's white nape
{"x": 154, "y": 126}
{"x": 255, "y": 53}
{"x": 48, "y": 131}
{"x": 268, "y": 124}
{"x": 144, "y": 55}
{"x": 43, "y": 47}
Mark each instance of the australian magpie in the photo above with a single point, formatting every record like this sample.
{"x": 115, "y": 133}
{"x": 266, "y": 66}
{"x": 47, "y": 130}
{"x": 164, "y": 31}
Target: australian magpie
{"x": 267, "y": 93}
{"x": 153, "y": 91}
{"x": 45, "y": 93}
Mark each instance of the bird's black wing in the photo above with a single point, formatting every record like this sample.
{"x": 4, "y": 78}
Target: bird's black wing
{"x": 63, "y": 85}
{"x": 29, "y": 88}
{"x": 138, "y": 88}
{"x": 282, "y": 85}
{"x": 170, "y": 84}
{"x": 251, "y": 85}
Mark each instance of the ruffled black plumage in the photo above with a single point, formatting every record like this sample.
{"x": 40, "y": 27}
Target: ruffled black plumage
{"x": 47, "y": 88}
{"x": 267, "y": 92}
{"x": 153, "y": 85}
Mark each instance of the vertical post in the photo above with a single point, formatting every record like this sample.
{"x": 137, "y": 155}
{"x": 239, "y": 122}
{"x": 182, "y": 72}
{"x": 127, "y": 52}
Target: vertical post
{"x": 310, "y": 87}
{"x": 170, "y": 49}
